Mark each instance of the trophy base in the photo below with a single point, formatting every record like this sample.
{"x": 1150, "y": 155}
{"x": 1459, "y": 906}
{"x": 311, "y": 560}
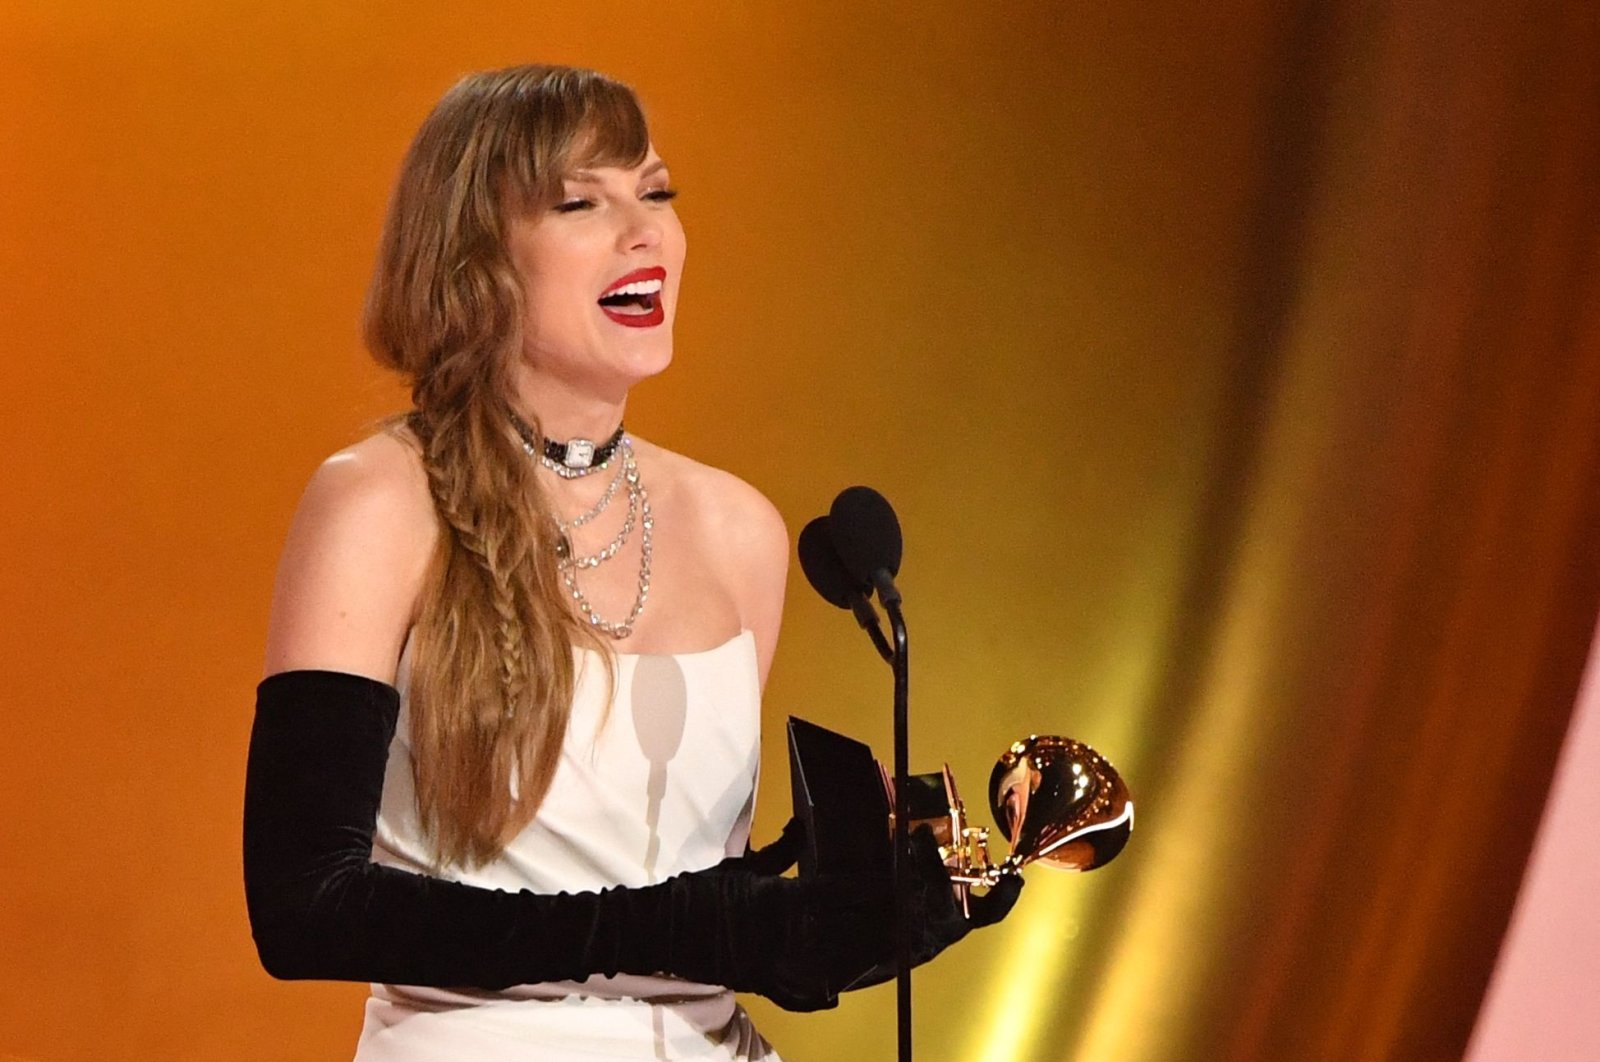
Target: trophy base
{"x": 840, "y": 797}
{"x": 843, "y": 796}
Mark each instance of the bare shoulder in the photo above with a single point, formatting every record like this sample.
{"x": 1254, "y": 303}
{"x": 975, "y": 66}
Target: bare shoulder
{"x": 743, "y": 534}
{"x": 728, "y": 510}
{"x": 381, "y": 475}
{"x": 354, "y": 561}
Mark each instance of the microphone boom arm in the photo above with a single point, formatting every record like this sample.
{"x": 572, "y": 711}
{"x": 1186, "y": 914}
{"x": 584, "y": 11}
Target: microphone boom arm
{"x": 867, "y": 617}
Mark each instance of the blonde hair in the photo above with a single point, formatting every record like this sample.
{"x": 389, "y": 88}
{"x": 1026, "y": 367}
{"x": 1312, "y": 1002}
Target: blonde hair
{"x": 493, "y": 670}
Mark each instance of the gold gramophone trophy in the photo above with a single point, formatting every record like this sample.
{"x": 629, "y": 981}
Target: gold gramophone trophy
{"x": 1057, "y": 801}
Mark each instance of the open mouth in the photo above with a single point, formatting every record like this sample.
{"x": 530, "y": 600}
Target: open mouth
{"x": 635, "y": 299}
{"x": 633, "y": 302}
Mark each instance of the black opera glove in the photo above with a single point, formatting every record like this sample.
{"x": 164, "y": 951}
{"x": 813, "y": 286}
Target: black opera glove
{"x": 320, "y": 908}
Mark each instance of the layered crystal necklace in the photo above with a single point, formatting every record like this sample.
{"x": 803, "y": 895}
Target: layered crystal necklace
{"x": 576, "y": 459}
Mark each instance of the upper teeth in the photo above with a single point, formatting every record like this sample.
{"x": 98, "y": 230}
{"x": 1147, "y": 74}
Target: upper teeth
{"x": 638, "y": 287}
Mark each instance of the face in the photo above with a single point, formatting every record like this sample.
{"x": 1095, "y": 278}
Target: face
{"x": 600, "y": 272}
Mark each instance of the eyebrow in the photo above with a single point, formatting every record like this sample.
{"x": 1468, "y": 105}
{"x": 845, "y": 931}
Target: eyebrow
{"x": 587, "y": 177}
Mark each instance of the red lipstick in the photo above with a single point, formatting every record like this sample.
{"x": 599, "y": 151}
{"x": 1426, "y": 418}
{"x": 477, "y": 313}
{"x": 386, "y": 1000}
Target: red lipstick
{"x": 650, "y": 312}
{"x": 652, "y": 273}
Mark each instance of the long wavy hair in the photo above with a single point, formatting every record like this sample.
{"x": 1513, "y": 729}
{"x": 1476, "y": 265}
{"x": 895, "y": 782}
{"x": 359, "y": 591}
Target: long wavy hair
{"x": 493, "y": 668}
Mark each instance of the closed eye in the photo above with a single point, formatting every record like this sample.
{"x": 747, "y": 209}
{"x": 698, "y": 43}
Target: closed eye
{"x": 579, "y": 203}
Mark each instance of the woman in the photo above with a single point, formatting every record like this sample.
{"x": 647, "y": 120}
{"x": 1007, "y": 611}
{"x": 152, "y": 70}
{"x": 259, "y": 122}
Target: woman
{"x": 504, "y": 758}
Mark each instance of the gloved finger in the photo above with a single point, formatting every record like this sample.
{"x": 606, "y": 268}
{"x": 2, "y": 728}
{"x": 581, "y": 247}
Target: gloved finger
{"x": 805, "y": 1002}
{"x": 997, "y": 902}
{"x": 781, "y": 854}
{"x": 926, "y": 862}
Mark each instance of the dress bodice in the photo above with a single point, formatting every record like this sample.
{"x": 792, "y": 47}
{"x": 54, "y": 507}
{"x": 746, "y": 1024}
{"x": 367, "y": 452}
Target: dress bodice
{"x": 661, "y": 782}
{"x": 657, "y": 781}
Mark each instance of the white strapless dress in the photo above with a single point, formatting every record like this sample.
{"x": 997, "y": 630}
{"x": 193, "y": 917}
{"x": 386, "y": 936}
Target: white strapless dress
{"x": 662, "y": 783}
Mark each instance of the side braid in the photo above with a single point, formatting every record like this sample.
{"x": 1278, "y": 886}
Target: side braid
{"x": 500, "y": 578}
{"x": 490, "y": 720}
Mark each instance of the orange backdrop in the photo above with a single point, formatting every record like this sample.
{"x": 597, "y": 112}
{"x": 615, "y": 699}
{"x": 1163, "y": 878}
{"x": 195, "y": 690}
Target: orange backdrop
{"x": 1234, "y": 369}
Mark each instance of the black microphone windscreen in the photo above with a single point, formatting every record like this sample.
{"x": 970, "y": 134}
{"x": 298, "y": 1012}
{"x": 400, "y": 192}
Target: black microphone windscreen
{"x": 866, "y": 533}
{"x": 824, "y": 570}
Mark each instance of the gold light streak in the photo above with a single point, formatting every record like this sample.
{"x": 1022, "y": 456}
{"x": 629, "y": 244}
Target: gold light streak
{"x": 1150, "y": 979}
{"x": 1016, "y": 1005}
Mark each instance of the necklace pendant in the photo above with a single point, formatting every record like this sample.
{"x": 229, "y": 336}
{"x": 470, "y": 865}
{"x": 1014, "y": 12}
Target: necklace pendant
{"x": 580, "y": 453}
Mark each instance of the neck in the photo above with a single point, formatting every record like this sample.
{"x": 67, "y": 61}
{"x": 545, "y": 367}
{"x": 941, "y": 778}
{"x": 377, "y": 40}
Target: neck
{"x": 563, "y": 410}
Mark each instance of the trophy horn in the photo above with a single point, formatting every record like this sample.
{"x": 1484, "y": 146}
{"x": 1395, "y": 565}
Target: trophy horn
{"x": 1059, "y": 802}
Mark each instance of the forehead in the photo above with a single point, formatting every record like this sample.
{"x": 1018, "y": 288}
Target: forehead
{"x": 592, "y": 172}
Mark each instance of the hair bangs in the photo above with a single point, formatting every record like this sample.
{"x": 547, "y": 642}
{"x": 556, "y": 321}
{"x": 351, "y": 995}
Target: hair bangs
{"x": 573, "y": 119}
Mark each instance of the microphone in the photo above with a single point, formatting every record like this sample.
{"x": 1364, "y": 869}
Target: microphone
{"x": 827, "y": 575}
{"x": 824, "y": 570}
{"x": 866, "y": 535}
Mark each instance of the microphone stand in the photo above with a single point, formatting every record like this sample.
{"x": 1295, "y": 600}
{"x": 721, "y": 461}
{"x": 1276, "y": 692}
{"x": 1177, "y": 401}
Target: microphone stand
{"x": 889, "y": 594}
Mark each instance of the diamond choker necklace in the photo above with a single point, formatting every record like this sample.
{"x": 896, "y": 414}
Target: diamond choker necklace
{"x": 572, "y": 459}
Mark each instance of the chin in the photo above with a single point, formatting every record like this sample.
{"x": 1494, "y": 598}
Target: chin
{"x": 654, "y": 365}
{"x": 651, "y": 356}
{"x": 634, "y": 366}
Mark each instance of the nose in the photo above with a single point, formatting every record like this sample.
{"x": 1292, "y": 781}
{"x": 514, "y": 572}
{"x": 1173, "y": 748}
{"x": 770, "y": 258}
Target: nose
{"x": 641, "y": 229}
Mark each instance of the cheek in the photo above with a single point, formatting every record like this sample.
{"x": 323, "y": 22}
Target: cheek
{"x": 556, "y": 304}
{"x": 674, "y": 250}
{"x": 557, "y": 268}
{"x": 676, "y": 240}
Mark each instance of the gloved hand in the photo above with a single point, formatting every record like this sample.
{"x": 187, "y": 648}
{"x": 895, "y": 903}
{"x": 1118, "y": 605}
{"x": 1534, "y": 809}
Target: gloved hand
{"x": 935, "y": 917}
{"x": 859, "y": 910}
